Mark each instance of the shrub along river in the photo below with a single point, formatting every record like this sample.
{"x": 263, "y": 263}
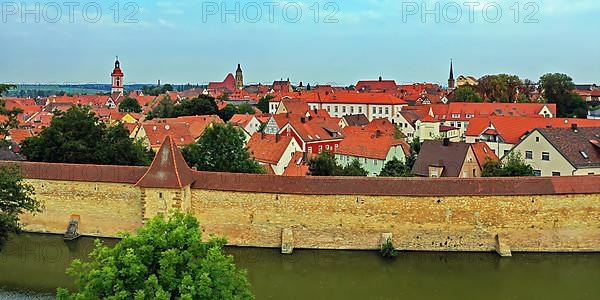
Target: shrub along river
{"x": 32, "y": 266}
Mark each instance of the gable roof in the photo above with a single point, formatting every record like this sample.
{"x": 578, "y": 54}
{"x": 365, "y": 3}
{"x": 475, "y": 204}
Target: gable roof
{"x": 434, "y": 153}
{"x": 362, "y": 142}
{"x": 483, "y": 152}
{"x": 376, "y": 85}
{"x": 168, "y": 169}
{"x": 241, "y": 119}
{"x": 573, "y": 144}
{"x": 268, "y": 148}
{"x": 356, "y": 120}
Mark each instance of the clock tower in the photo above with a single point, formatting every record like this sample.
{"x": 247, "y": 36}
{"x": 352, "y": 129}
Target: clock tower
{"x": 117, "y": 78}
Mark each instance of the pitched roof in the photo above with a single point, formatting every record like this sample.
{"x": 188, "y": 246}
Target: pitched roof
{"x": 241, "y": 119}
{"x": 178, "y": 132}
{"x": 316, "y": 129}
{"x": 227, "y": 84}
{"x": 362, "y": 142}
{"x": 268, "y": 148}
{"x": 19, "y": 135}
{"x": 298, "y": 166}
{"x": 512, "y": 129}
{"x": 196, "y": 124}
{"x": 434, "y": 153}
{"x": 579, "y": 147}
{"x": 376, "y": 85}
{"x": 483, "y": 152}
{"x": 168, "y": 169}
{"x": 356, "y": 120}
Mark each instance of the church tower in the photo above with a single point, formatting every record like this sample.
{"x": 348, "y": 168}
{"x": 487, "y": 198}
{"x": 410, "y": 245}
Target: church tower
{"x": 117, "y": 78}
{"x": 451, "y": 82}
{"x": 239, "y": 77}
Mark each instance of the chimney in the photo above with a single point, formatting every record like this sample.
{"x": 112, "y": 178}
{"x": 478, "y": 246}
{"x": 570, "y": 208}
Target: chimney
{"x": 303, "y": 119}
{"x": 277, "y": 137}
{"x": 446, "y": 142}
{"x": 380, "y": 79}
{"x": 310, "y": 117}
{"x": 574, "y": 127}
{"x": 378, "y": 133}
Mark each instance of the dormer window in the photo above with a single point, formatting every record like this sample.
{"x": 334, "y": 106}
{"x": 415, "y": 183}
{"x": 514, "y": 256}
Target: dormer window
{"x": 584, "y": 154}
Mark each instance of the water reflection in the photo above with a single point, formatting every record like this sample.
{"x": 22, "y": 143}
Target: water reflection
{"x": 36, "y": 263}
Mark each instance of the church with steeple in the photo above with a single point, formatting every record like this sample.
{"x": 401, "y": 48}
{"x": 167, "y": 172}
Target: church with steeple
{"x": 117, "y": 78}
{"x": 451, "y": 81}
{"x": 239, "y": 77}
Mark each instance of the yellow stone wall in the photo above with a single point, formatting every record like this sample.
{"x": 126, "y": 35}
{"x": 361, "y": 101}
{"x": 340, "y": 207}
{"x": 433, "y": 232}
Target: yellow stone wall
{"x": 525, "y": 223}
{"x": 531, "y": 223}
{"x": 105, "y": 208}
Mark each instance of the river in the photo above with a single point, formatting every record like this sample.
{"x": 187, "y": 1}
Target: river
{"x": 32, "y": 266}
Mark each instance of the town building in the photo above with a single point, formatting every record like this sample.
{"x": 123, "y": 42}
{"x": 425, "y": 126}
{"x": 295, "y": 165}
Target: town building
{"x": 314, "y": 135}
{"x": 372, "y": 147}
{"x": 239, "y": 77}
{"x": 376, "y": 86}
{"x": 248, "y": 122}
{"x": 562, "y": 151}
{"x": 446, "y": 159}
{"x": 275, "y": 152}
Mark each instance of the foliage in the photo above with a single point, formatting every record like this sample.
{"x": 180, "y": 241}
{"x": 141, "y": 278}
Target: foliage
{"x": 466, "y": 94}
{"x": 499, "y": 88}
{"x": 325, "y": 164}
{"x": 245, "y": 109}
{"x": 77, "y": 136}
{"x": 165, "y": 259}
{"x": 227, "y": 112}
{"x": 16, "y": 197}
{"x": 154, "y": 90}
{"x": 558, "y": 88}
{"x": 513, "y": 166}
{"x": 130, "y": 105}
{"x": 354, "y": 169}
{"x": 10, "y": 121}
{"x": 263, "y": 103}
{"x": 199, "y": 106}
{"x": 388, "y": 250}
{"x": 396, "y": 168}
{"x": 221, "y": 149}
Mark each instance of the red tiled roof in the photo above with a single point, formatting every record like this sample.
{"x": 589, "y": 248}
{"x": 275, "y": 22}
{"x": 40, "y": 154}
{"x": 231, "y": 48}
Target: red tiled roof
{"x": 316, "y": 129}
{"x": 228, "y": 84}
{"x": 362, "y": 142}
{"x": 19, "y": 135}
{"x": 483, "y": 152}
{"x": 196, "y": 124}
{"x": 297, "y": 166}
{"x": 241, "y": 119}
{"x": 361, "y": 98}
{"x": 158, "y": 131}
{"x": 376, "y": 85}
{"x": 267, "y": 148}
{"x": 446, "y": 111}
{"x": 168, "y": 169}
{"x": 511, "y": 129}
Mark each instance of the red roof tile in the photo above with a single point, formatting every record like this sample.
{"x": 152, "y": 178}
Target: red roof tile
{"x": 168, "y": 169}
{"x": 268, "y": 148}
{"x": 483, "y": 152}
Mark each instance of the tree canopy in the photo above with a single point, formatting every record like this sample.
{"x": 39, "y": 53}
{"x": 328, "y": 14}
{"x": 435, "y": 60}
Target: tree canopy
{"x": 78, "y": 136}
{"x": 165, "y": 259}
{"x": 325, "y": 164}
{"x": 558, "y": 88}
{"x": 130, "y": 105}
{"x": 199, "y": 106}
{"x": 221, "y": 149}
{"x": 396, "y": 168}
{"x": 263, "y": 103}
{"x": 466, "y": 94}
{"x": 513, "y": 166}
{"x": 10, "y": 115}
{"x": 501, "y": 88}
{"x": 16, "y": 197}
{"x": 154, "y": 90}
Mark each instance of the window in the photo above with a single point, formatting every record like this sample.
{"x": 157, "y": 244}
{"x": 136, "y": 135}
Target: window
{"x": 469, "y": 116}
{"x": 374, "y": 110}
{"x": 309, "y": 149}
{"x": 537, "y": 139}
{"x": 336, "y": 146}
{"x": 360, "y": 109}
{"x": 327, "y": 147}
{"x": 529, "y": 154}
{"x": 328, "y": 109}
{"x": 465, "y": 174}
{"x": 555, "y": 174}
{"x": 591, "y": 173}
{"x": 537, "y": 173}
{"x": 380, "y": 110}
{"x": 506, "y": 152}
{"x": 387, "y": 110}
{"x": 455, "y": 116}
{"x": 434, "y": 173}
{"x": 160, "y": 195}
{"x": 375, "y": 161}
{"x": 352, "y": 109}
{"x": 584, "y": 154}
{"x": 546, "y": 156}
{"x": 320, "y": 149}
{"x": 343, "y": 109}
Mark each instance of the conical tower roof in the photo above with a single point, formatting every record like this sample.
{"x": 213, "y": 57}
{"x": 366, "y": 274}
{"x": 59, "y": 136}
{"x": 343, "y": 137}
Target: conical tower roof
{"x": 168, "y": 169}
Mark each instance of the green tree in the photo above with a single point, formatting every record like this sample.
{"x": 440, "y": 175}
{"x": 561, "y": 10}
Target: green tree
{"x": 202, "y": 105}
{"x": 324, "y": 164}
{"x": 165, "y": 259}
{"x": 227, "y": 112}
{"x": 558, "y": 88}
{"x": 499, "y": 88}
{"x": 130, "y": 105}
{"x": 166, "y": 88}
{"x": 354, "y": 169}
{"x": 77, "y": 136}
{"x": 16, "y": 198}
{"x": 164, "y": 109}
{"x": 263, "y": 103}
{"x": 245, "y": 109}
{"x": 221, "y": 149}
{"x": 396, "y": 168}
{"x": 466, "y": 94}
{"x": 10, "y": 121}
{"x": 513, "y": 166}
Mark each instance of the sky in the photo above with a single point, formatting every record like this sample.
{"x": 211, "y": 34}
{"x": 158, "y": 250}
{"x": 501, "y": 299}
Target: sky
{"x": 193, "y": 41}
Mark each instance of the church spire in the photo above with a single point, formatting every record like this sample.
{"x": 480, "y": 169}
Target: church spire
{"x": 451, "y": 81}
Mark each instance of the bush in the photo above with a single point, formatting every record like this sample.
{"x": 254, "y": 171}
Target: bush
{"x": 387, "y": 249}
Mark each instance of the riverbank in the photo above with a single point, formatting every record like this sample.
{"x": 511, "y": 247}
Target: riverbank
{"x": 35, "y": 263}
